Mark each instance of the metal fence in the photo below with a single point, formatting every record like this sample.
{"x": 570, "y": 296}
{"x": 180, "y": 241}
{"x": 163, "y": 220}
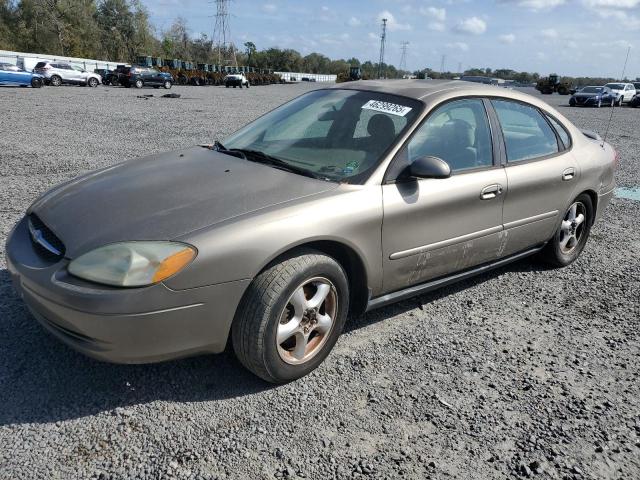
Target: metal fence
{"x": 306, "y": 77}
{"x": 17, "y": 58}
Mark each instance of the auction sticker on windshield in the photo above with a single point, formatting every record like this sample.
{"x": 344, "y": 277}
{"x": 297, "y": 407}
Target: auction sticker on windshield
{"x": 386, "y": 107}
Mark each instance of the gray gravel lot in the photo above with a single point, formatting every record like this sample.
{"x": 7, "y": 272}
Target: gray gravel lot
{"x": 524, "y": 371}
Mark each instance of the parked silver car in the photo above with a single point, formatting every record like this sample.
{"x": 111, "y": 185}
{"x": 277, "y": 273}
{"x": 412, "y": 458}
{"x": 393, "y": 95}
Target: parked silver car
{"x": 58, "y": 73}
{"x": 340, "y": 201}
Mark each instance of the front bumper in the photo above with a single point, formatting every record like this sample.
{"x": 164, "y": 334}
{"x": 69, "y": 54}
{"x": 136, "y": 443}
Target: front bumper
{"x": 122, "y": 325}
{"x": 584, "y": 102}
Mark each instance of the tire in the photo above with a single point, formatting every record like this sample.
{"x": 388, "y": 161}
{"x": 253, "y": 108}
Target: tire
{"x": 36, "y": 82}
{"x": 284, "y": 290}
{"x": 247, "y": 85}
{"x": 226, "y": 85}
{"x": 613, "y": 103}
{"x": 139, "y": 83}
{"x": 93, "y": 82}
{"x": 620, "y": 101}
{"x": 599, "y": 103}
{"x": 557, "y": 255}
{"x": 167, "y": 85}
{"x": 55, "y": 81}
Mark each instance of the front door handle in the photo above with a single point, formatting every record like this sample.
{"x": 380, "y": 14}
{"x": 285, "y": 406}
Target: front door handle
{"x": 568, "y": 174}
{"x": 491, "y": 191}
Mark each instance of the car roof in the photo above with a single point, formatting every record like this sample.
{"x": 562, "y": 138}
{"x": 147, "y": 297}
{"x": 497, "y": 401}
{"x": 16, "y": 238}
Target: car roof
{"x": 437, "y": 90}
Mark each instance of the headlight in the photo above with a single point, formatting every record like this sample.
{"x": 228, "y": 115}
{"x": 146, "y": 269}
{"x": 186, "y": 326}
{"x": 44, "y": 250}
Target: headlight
{"x": 132, "y": 264}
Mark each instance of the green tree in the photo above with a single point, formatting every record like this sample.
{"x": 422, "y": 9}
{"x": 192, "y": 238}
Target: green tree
{"x": 250, "y": 50}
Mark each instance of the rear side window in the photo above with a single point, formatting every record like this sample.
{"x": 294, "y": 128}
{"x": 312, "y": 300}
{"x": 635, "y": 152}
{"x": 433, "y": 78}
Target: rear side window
{"x": 527, "y": 135}
{"x": 562, "y": 133}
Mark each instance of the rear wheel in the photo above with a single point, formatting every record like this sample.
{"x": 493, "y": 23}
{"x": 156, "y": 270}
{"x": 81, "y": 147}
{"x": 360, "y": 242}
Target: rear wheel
{"x": 291, "y": 316}
{"x": 93, "y": 82}
{"x": 572, "y": 233}
{"x": 599, "y": 103}
{"x": 139, "y": 83}
{"x": 55, "y": 81}
{"x": 167, "y": 85}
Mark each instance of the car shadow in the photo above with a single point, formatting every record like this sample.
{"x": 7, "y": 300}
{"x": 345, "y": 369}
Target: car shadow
{"x": 528, "y": 264}
{"x": 42, "y": 380}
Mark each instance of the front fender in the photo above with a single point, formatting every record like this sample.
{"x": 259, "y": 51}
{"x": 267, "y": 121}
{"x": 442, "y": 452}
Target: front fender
{"x": 239, "y": 248}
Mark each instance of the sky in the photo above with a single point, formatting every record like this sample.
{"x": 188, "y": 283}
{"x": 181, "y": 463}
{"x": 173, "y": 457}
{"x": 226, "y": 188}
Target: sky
{"x": 569, "y": 37}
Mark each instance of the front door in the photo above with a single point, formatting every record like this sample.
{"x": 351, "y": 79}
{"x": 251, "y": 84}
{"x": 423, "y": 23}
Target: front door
{"x": 433, "y": 227}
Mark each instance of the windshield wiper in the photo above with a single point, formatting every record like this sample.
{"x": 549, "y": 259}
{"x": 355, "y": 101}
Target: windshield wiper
{"x": 261, "y": 157}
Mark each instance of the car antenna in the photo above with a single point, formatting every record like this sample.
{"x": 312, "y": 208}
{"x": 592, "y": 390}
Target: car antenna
{"x": 624, "y": 70}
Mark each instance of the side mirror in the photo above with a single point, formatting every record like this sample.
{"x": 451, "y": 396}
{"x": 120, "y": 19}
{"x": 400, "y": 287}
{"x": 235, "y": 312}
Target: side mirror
{"x": 429, "y": 167}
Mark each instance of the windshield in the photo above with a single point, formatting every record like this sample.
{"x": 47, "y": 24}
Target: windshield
{"x": 615, "y": 86}
{"x": 591, "y": 89}
{"x": 337, "y": 134}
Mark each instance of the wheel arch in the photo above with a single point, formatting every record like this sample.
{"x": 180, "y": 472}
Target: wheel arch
{"x": 348, "y": 258}
{"x": 594, "y": 202}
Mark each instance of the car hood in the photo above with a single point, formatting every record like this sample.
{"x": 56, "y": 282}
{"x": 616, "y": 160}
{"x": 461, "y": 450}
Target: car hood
{"x": 164, "y": 196}
{"x": 586, "y": 95}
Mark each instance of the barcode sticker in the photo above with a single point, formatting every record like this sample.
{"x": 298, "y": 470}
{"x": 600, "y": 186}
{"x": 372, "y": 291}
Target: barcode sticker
{"x": 386, "y": 107}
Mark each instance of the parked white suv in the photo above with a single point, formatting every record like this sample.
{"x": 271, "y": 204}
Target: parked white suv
{"x": 625, "y": 91}
{"x": 57, "y": 73}
{"x": 236, "y": 80}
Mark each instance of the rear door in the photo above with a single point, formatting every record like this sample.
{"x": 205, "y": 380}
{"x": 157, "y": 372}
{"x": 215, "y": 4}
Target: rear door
{"x": 433, "y": 227}
{"x": 541, "y": 174}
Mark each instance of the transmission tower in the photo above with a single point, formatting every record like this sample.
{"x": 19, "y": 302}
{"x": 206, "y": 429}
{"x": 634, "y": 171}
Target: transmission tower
{"x": 222, "y": 34}
{"x": 403, "y": 58}
{"x": 383, "y": 39}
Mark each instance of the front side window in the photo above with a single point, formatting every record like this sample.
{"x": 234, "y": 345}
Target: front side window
{"x": 527, "y": 134}
{"x": 336, "y": 134}
{"x": 458, "y": 133}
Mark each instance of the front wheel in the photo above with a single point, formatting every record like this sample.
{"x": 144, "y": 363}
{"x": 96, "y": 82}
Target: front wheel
{"x": 572, "y": 233}
{"x": 291, "y": 316}
{"x": 36, "y": 82}
{"x": 167, "y": 85}
{"x": 139, "y": 83}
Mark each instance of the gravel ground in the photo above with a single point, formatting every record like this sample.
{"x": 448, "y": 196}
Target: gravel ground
{"x": 524, "y": 371}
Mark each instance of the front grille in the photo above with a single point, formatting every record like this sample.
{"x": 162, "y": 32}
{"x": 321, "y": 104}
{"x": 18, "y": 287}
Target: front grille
{"x": 44, "y": 240}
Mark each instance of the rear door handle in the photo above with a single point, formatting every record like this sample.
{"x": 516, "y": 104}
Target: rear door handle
{"x": 491, "y": 191}
{"x": 568, "y": 174}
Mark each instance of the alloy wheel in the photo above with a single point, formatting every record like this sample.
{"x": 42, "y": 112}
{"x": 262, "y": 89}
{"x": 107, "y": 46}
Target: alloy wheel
{"x": 306, "y": 320}
{"x": 572, "y": 227}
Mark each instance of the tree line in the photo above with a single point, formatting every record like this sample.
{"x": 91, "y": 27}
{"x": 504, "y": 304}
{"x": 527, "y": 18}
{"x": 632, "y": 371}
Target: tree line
{"x": 120, "y": 30}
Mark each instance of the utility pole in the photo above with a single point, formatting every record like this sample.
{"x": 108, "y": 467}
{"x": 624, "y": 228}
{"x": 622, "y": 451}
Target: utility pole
{"x": 460, "y": 67}
{"x": 222, "y": 33}
{"x": 383, "y": 39}
{"x": 442, "y": 62}
{"x": 403, "y": 58}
